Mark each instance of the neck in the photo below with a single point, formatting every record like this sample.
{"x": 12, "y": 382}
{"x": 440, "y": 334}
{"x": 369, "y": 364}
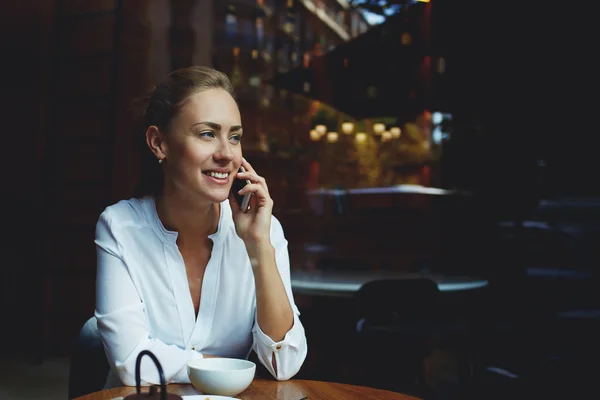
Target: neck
{"x": 187, "y": 216}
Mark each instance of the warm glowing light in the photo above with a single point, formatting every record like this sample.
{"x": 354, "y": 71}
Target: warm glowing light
{"x": 332, "y": 137}
{"x": 254, "y": 81}
{"x": 321, "y": 129}
{"x": 314, "y": 135}
{"x": 406, "y": 38}
{"x": 254, "y": 54}
{"x": 347, "y": 127}
{"x": 306, "y": 59}
{"x": 236, "y": 51}
{"x": 378, "y": 128}
{"x": 395, "y": 132}
{"x": 385, "y": 136}
{"x": 361, "y": 137}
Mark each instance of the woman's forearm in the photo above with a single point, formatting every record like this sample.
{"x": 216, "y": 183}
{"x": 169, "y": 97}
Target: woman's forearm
{"x": 274, "y": 312}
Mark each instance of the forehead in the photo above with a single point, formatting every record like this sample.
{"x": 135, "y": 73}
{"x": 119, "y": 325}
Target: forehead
{"x": 214, "y": 105}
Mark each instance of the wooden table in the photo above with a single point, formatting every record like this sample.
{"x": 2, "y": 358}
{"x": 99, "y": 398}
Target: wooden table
{"x": 272, "y": 390}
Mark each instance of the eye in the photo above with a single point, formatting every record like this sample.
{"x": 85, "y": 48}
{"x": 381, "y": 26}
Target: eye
{"x": 236, "y": 138}
{"x": 209, "y": 134}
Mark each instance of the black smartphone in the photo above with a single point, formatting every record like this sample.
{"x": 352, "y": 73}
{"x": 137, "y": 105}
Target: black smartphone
{"x": 238, "y": 184}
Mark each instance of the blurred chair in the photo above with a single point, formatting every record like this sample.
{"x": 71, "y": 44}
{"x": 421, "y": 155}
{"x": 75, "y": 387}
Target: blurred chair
{"x": 89, "y": 366}
{"x": 393, "y": 325}
{"x": 399, "y": 323}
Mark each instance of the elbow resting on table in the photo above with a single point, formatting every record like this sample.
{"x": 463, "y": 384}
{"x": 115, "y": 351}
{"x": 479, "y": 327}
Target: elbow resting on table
{"x": 284, "y": 377}
{"x": 126, "y": 373}
{"x": 290, "y": 370}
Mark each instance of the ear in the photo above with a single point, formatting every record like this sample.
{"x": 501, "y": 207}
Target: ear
{"x": 156, "y": 142}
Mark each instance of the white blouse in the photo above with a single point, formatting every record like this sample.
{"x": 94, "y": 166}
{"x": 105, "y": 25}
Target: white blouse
{"x": 143, "y": 299}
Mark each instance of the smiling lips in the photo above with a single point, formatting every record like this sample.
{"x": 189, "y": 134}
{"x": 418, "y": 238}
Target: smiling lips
{"x": 217, "y": 176}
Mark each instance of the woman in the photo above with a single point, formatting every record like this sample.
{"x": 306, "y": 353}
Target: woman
{"x": 182, "y": 271}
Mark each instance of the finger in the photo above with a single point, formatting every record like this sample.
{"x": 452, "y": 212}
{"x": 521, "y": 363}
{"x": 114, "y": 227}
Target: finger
{"x": 260, "y": 199}
{"x": 253, "y": 203}
{"x": 259, "y": 192}
{"x": 251, "y": 188}
{"x": 247, "y": 165}
{"x": 252, "y": 177}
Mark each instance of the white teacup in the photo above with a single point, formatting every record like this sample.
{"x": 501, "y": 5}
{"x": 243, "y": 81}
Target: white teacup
{"x": 221, "y": 376}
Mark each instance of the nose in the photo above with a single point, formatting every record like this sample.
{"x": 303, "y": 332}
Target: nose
{"x": 224, "y": 153}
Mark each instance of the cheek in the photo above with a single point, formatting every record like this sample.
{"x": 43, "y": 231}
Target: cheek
{"x": 195, "y": 155}
{"x": 237, "y": 158}
{"x": 187, "y": 161}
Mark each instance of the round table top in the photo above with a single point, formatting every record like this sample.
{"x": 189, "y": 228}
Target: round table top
{"x": 270, "y": 389}
{"x": 341, "y": 283}
{"x": 411, "y": 189}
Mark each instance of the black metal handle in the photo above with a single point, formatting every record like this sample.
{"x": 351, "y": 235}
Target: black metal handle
{"x": 138, "y": 362}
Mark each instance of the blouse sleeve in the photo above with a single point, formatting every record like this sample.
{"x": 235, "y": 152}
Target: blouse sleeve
{"x": 122, "y": 318}
{"x": 289, "y": 353}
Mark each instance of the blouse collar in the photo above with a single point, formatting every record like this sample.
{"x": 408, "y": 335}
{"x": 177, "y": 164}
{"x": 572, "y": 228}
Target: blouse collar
{"x": 170, "y": 237}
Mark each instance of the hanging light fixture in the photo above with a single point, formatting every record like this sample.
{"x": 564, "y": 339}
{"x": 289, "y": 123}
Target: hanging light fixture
{"x": 314, "y": 135}
{"x": 347, "y": 127}
{"x": 395, "y": 132}
{"x": 385, "y": 136}
{"x": 332, "y": 137}
{"x": 378, "y": 128}
{"x": 361, "y": 137}
{"x": 321, "y": 129}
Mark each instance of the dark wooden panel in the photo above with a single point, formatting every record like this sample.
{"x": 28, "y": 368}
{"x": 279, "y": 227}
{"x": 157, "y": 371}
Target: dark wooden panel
{"x": 82, "y": 162}
{"x": 83, "y": 120}
{"x": 85, "y": 77}
{"x": 78, "y": 206}
{"x": 69, "y": 302}
{"x": 61, "y": 330}
{"x": 72, "y": 292}
{"x": 85, "y": 36}
{"x": 77, "y": 7}
{"x": 71, "y": 250}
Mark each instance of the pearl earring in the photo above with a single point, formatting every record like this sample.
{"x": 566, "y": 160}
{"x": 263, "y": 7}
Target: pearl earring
{"x": 160, "y": 161}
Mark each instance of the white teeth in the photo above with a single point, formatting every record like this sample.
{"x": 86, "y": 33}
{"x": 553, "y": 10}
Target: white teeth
{"x": 219, "y": 175}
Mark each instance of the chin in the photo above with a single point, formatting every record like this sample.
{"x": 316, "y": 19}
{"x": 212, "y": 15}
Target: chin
{"x": 216, "y": 197}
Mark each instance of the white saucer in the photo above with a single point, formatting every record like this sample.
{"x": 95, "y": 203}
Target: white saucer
{"x": 196, "y": 397}
{"x": 207, "y": 397}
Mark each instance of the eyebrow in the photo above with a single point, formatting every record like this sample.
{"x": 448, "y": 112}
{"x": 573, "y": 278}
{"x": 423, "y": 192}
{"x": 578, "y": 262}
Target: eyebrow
{"x": 218, "y": 127}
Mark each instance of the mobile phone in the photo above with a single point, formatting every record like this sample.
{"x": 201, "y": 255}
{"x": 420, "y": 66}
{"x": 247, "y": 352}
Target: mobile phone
{"x": 238, "y": 184}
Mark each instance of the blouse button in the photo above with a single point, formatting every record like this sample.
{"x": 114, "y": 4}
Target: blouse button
{"x": 193, "y": 348}
{"x": 278, "y": 347}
